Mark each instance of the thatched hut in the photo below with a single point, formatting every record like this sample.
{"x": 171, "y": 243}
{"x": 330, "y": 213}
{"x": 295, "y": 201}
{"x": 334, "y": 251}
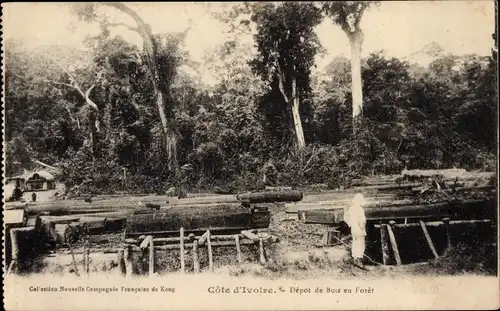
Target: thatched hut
{"x": 40, "y": 180}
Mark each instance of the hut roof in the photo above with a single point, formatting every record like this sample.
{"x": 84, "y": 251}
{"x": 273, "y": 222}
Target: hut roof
{"x": 44, "y": 174}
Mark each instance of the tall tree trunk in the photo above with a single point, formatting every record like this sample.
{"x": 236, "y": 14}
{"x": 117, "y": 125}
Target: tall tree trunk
{"x": 355, "y": 41}
{"x": 169, "y": 128}
{"x": 299, "y": 132}
{"x": 292, "y": 100}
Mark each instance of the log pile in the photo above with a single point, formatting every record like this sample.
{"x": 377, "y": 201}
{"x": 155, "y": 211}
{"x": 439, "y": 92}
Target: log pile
{"x": 433, "y": 201}
{"x": 402, "y": 197}
{"x": 65, "y": 222}
{"x": 466, "y": 209}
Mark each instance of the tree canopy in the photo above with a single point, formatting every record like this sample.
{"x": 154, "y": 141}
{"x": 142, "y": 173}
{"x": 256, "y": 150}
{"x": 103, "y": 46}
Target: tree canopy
{"x": 95, "y": 112}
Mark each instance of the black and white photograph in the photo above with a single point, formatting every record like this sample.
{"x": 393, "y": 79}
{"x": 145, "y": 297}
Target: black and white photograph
{"x": 255, "y": 155}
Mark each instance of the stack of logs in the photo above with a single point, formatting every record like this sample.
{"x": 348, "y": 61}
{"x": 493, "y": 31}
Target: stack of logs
{"x": 211, "y": 221}
{"x": 395, "y": 202}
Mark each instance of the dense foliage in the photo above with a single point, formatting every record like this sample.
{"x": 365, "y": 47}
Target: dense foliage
{"x": 438, "y": 116}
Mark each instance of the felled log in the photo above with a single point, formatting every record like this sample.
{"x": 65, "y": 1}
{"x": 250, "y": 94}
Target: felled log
{"x": 467, "y": 209}
{"x": 438, "y": 223}
{"x": 194, "y": 219}
{"x": 294, "y": 208}
{"x": 278, "y": 188}
{"x": 452, "y": 173}
{"x": 457, "y": 189}
{"x": 343, "y": 195}
{"x": 270, "y": 196}
{"x": 71, "y": 207}
{"x": 187, "y": 204}
{"x": 221, "y": 199}
{"x": 389, "y": 187}
{"x": 53, "y": 226}
{"x": 58, "y": 209}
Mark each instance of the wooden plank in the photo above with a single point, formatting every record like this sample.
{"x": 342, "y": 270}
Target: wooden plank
{"x": 210, "y": 255}
{"x": 191, "y": 237}
{"x": 84, "y": 261}
{"x": 88, "y": 259}
{"x": 213, "y": 244}
{"x": 293, "y": 208}
{"x": 389, "y": 187}
{"x": 439, "y": 223}
{"x": 261, "y": 251}
{"x": 250, "y": 235}
{"x": 462, "y": 209}
{"x": 327, "y": 206}
{"x": 271, "y": 196}
{"x": 204, "y": 238}
{"x": 384, "y": 244}
{"x": 192, "y": 231}
{"x": 151, "y": 257}
{"x": 238, "y": 248}
{"x": 181, "y": 245}
{"x": 196, "y": 262}
{"x": 69, "y": 207}
{"x": 394, "y": 244}
{"x": 428, "y": 238}
{"x": 446, "y": 222}
{"x": 146, "y": 242}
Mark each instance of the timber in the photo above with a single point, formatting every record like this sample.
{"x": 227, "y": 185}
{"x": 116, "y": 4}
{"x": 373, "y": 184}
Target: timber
{"x": 383, "y": 244}
{"x": 213, "y": 244}
{"x": 250, "y": 235}
{"x": 196, "y": 262}
{"x": 296, "y": 207}
{"x": 181, "y": 246}
{"x": 204, "y": 238}
{"x": 196, "y": 219}
{"x": 210, "y": 255}
{"x": 145, "y": 243}
{"x": 238, "y": 248}
{"x": 428, "y": 238}
{"x": 446, "y": 222}
{"x": 151, "y": 256}
{"x": 455, "y": 210}
{"x": 394, "y": 244}
{"x": 389, "y": 187}
{"x": 271, "y": 196}
{"x": 440, "y": 223}
{"x": 261, "y": 251}
{"x": 71, "y": 207}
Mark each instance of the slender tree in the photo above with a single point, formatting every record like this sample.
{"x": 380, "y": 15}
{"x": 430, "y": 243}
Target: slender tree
{"x": 286, "y": 45}
{"x": 161, "y": 87}
{"x": 348, "y": 14}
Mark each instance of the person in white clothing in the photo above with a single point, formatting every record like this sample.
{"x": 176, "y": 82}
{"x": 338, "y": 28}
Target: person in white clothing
{"x": 354, "y": 216}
